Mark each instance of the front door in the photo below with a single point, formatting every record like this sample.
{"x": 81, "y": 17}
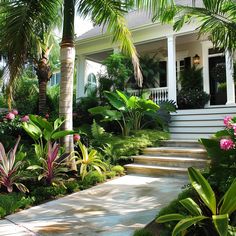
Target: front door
{"x": 217, "y": 75}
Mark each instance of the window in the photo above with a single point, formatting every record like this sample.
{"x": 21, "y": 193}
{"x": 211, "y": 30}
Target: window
{"x": 92, "y": 83}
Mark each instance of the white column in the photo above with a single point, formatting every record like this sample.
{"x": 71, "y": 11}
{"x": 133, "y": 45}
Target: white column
{"x": 229, "y": 78}
{"x": 171, "y": 68}
{"x": 205, "y": 67}
{"x": 80, "y": 77}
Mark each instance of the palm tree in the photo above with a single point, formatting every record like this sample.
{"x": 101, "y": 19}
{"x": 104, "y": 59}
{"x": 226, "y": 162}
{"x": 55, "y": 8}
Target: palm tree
{"x": 109, "y": 13}
{"x": 25, "y": 28}
{"x": 216, "y": 18}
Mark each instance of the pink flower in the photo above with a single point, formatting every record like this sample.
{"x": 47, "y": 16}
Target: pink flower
{"x": 15, "y": 112}
{"x": 234, "y": 128}
{"x": 47, "y": 116}
{"x": 76, "y": 137}
{"x": 226, "y": 144}
{"x": 227, "y": 121}
{"x": 25, "y": 119}
{"x": 10, "y": 116}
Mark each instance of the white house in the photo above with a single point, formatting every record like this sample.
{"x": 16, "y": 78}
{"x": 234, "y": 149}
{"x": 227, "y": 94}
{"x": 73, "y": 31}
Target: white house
{"x": 174, "y": 48}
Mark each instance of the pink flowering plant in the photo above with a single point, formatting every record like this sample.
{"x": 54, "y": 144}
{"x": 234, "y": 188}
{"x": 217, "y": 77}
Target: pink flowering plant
{"x": 221, "y": 148}
{"x": 11, "y": 124}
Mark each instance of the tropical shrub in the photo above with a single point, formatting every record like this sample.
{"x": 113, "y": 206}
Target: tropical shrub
{"x": 119, "y": 70}
{"x": 191, "y": 95}
{"x": 128, "y": 110}
{"x": 43, "y": 132}
{"x": 26, "y": 92}
{"x": 192, "y": 99}
{"x": 11, "y": 123}
{"x": 10, "y": 172}
{"x": 89, "y": 161}
{"x": 53, "y": 167}
{"x": 160, "y": 119}
{"x": 221, "y": 150}
{"x": 94, "y": 177}
{"x": 191, "y": 78}
{"x": 211, "y": 214}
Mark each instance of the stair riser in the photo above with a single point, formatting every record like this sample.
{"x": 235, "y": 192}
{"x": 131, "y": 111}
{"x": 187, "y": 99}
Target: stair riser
{"x": 192, "y": 136}
{"x": 151, "y": 172}
{"x": 181, "y": 144}
{"x": 171, "y": 163}
{"x": 175, "y": 154}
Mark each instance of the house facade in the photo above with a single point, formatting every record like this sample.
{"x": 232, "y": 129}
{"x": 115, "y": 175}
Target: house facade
{"x": 175, "y": 50}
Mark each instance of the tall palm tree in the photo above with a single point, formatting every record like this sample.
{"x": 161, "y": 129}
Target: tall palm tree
{"x": 24, "y": 32}
{"x": 109, "y": 13}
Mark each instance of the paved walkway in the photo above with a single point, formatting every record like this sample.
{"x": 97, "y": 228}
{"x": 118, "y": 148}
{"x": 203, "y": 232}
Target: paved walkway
{"x": 115, "y": 208}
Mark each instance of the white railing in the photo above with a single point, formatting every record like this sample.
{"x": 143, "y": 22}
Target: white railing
{"x": 156, "y": 94}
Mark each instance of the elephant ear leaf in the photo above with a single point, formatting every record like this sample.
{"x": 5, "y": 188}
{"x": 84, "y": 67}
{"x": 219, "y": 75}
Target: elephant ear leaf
{"x": 191, "y": 206}
{"x": 203, "y": 189}
{"x": 186, "y": 223}
{"x": 221, "y": 224}
{"x": 229, "y": 200}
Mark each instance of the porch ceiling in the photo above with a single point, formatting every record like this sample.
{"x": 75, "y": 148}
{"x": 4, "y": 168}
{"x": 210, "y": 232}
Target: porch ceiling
{"x": 154, "y": 47}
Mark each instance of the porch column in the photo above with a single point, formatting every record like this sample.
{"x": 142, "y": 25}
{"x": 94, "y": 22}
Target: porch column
{"x": 80, "y": 77}
{"x": 229, "y": 78}
{"x": 171, "y": 68}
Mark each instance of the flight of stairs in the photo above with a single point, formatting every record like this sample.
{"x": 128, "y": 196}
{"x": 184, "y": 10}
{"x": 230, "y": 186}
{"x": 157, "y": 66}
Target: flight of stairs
{"x": 193, "y": 124}
{"x": 171, "y": 159}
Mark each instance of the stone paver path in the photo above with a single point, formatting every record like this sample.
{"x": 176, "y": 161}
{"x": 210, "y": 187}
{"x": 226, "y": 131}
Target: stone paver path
{"x": 115, "y": 208}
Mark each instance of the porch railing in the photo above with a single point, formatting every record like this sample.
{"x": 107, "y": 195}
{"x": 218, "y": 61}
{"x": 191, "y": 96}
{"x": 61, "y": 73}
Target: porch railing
{"x": 156, "y": 94}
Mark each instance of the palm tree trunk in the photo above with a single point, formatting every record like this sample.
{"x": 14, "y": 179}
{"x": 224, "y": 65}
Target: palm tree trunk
{"x": 67, "y": 75}
{"x": 42, "y": 97}
{"x": 44, "y": 74}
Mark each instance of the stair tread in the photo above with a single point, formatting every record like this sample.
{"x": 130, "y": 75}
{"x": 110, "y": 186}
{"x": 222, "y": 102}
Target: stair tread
{"x": 171, "y": 158}
{"x": 155, "y": 167}
{"x": 176, "y": 149}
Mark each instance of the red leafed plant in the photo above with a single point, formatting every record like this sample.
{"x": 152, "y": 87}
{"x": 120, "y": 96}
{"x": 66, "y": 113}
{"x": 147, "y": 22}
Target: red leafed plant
{"x": 9, "y": 169}
{"x": 53, "y": 167}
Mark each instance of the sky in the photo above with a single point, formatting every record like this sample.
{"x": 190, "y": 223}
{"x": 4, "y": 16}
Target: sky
{"x": 82, "y": 25}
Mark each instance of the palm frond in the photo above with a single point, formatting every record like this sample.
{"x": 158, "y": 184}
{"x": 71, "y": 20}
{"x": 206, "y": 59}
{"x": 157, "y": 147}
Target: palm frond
{"x": 111, "y": 14}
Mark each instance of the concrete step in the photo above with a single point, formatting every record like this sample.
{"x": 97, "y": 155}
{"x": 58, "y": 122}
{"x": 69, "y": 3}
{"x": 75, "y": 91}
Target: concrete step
{"x": 199, "y": 123}
{"x": 170, "y": 161}
{"x": 176, "y": 151}
{"x": 181, "y": 143}
{"x": 155, "y": 170}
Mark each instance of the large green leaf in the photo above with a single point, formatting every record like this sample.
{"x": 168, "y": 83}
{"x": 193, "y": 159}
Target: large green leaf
{"x": 186, "y": 223}
{"x": 32, "y": 130}
{"x": 42, "y": 123}
{"x": 191, "y": 206}
{"x": 170, "y": 217}
{"x": 221, "y": 224}
{"x": 115, "y": 101}
{"x": 61, "y": 134}
{"x": 99, "y": 110}
{"x": 203, "y": 189}
{"x": 229, "y": 200}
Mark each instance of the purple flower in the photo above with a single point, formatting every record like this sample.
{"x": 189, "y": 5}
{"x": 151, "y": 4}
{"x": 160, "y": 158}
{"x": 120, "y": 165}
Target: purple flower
{"x": 15, "y": 112}
{"x": 10, "y": 116}
{"x": 25, "y": 118}
{"x": 227, "y": 121}
{"x": 76, "y": 137}
{"x": 226, "y": 144}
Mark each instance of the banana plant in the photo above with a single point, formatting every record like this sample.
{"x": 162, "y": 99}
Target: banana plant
{"x": 43, "y": 132}
{"x": 128, "y": 111}
{"x": 220, "y": 211}
{"x": 89, "y": 160}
